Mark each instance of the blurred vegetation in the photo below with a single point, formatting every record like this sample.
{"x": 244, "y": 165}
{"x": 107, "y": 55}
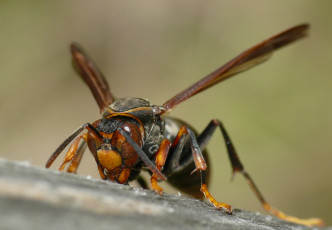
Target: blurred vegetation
{"x": 279, "y": 114}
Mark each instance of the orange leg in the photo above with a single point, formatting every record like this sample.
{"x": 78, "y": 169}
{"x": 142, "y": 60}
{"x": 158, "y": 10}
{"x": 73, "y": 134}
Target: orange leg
{"x": 75, "y": 154}
{"x": 73, "y": 149}
{"x": 76, "y": 159}
{"x": 72, "y": 152}
{"x": 161, "y": 156}
{"x": 75, "y": 162}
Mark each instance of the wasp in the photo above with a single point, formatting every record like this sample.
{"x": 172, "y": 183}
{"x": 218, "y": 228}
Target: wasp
{"x": 134, "y": 135}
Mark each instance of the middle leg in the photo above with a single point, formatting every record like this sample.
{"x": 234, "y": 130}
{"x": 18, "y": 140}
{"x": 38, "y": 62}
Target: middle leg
{"x": 198, "y": 161}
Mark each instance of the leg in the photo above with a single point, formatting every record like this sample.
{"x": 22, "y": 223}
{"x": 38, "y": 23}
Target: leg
{"x": 206, "y": 135}
{"x": 72, "y": 152}
{"x": 201, "y": 166}
{"x": 238, "y": 167}
{"x": 161, "y": 156}
{"x": 208, "y": 195}
{"x": 199, "y": 162}
{"x": 72, "y": 168}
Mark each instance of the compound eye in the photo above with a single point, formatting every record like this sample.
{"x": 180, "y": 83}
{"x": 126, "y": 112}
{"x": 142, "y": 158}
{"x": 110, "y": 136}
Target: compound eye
{"x": 120, "y": 143}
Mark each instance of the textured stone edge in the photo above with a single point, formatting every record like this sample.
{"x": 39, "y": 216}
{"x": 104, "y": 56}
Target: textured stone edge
{"x": 38, "y": 198}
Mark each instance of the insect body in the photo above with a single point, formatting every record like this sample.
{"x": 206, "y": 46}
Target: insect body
{"x": 133, "y": 134}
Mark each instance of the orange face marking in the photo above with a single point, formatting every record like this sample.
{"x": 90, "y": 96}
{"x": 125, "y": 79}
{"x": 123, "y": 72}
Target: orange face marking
{"x": 109, "y": 159}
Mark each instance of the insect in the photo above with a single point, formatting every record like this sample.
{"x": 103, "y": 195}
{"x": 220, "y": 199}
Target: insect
{"x": 134, "y": 135}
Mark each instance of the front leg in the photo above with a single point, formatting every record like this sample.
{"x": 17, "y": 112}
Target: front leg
{"x": 161, "y": 156}
{"x": 75, "y": 151}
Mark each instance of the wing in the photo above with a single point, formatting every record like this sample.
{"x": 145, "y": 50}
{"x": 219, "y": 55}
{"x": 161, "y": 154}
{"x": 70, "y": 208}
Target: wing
{"x": 249, "y": 58}
{"x": 92, "y": 76}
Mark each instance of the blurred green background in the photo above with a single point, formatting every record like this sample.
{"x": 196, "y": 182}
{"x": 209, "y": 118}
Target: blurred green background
{"x": 279, "y": 114}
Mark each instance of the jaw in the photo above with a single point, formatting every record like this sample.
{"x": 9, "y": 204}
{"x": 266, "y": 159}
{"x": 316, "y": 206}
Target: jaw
{"x": 119, "y": 175}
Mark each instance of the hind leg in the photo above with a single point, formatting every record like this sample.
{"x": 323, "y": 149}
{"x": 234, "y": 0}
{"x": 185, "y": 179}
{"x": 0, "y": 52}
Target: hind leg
{"x": 237, "y": 166}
